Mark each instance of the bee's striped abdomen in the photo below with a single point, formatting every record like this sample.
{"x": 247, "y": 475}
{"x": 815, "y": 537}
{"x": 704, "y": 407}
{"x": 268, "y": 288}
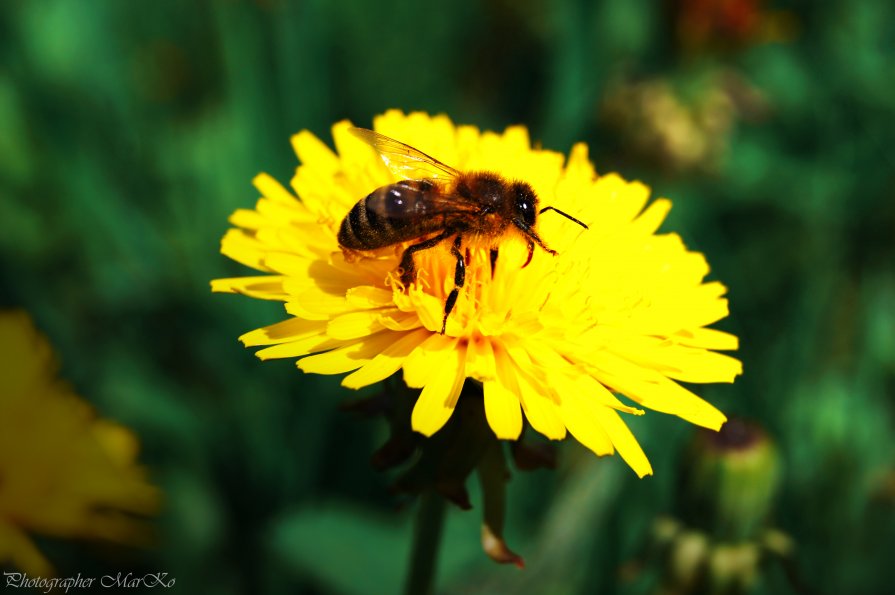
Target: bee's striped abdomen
{"x": 389, "y": 215}
{"x": 359, "y": 228}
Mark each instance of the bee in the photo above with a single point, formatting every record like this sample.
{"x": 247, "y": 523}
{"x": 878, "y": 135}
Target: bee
{"x": 435, "y": 203}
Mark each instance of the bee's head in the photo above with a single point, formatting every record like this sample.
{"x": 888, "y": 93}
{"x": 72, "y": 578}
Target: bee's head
{"x": 525, "y": 203}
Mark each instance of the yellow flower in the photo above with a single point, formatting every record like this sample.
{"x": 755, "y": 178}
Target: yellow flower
{"x": 63, "y": 472}
{"x": 620, "y": 309}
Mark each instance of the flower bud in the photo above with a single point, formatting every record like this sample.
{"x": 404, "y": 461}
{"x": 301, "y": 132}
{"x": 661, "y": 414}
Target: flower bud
{"x": 729, "y": 481}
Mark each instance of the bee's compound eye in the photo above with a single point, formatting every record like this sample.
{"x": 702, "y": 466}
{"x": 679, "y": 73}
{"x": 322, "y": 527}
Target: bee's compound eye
{"x": 526, "y": 202}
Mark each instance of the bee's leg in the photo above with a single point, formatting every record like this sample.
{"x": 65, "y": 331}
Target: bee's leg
{"x": 494, "y": 261}
{"x": 459, "y": 280}
{"x": 533, "y": 239}
{"x": 408, "y": 271}
{"x": 531, "y": 252}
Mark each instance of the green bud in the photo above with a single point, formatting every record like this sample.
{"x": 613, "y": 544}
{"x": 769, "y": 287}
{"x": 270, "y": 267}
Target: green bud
{"x": 729, "y": 481}
{"x": 686, "y": 561}
{"x": 733, "y": 568}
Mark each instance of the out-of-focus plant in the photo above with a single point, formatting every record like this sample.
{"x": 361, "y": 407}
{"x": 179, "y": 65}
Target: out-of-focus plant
{"x": 702, "y": 25}
{"x": 721, "y": 537}
{"x": 681, "y": 130}
{"x": 64, "y": 472}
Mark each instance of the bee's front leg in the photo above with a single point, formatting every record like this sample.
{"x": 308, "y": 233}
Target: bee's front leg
{"x": 494, "y": 255}
{"x": 532, "y": 238}
{"x": 531, "y": 252}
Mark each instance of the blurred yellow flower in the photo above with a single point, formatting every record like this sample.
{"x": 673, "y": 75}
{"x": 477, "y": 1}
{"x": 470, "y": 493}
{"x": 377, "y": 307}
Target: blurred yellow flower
{"x": 620, "y": 309}
{"x": 63, "y": 472}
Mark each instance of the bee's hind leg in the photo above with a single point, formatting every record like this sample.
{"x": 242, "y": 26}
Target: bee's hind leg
{"x": 459, "y": 280}
{"x": 408, "y": 270}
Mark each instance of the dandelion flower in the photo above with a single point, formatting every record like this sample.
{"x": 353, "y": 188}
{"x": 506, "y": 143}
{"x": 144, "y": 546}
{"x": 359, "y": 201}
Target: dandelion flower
{"x": 63, "y": 471}
{"x": 620, "y": 310}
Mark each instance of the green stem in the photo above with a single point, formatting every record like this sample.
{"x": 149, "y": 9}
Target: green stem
{"x": 426, "y": 539}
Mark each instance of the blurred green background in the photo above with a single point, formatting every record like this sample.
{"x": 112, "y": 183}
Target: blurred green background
{"x": 130, "y": 131}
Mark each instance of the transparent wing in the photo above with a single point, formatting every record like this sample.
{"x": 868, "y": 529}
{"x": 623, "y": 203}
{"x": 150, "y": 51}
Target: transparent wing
{"x": 403, "y": 160}
{"x": 421, "y": 200}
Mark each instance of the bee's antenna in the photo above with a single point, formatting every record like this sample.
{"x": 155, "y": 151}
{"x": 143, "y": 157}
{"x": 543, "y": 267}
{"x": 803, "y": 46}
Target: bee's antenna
{"x": 566, "y": 215}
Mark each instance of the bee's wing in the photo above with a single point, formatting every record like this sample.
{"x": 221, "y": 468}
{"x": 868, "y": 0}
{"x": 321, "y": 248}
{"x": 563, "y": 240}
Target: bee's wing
{"x": 420, "y": 200}
{"x": 403, "y": 160}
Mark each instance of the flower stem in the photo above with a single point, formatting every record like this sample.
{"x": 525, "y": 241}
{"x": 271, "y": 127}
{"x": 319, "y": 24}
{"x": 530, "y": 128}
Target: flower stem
{"x": 426, "y": 539}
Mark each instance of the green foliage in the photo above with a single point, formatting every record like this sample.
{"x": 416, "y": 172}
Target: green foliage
{"x": 130, "y": 131}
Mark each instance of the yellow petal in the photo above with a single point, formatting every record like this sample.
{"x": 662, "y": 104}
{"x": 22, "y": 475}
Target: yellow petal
{"x": 244, "y": 249}
{"x": 502, "y": 408}
{"x": 439, "y": 396}
{"x": 348, "y": 358}
{"x": 26, "y": 357}
{"x": 298, "y": 348}
{"x": 313, "y": 152}
{"x": 650, "y": 219}
{"x": 269, "y": 187}
{"x": 282, "y": 332}
{"x": 662, "y": 394}
{"x": 298, "y": 309}
{"x": 622, "y": 200}
{"x": 579, "y": 166}
{"x": 601, "y": 395}
{"x": 18, "y": 551}
{"x": 707, "y": 338}
{"x": 623, "y": 440}
{"x": 543, "y": 356}
{"x": 480, "y": 363}
{"x": 422, "y": 362}
{"x": 316, "y": 304}
{"x": 389, "y": 361}
{"x": 264, "y": 288}
{"x": 502, "y": 411}
{"x": 707, "y": 366}
{"x": 367, "y": 296}
{"x": 540, "y": 410}
{"x": 677, "y": 361}
{"x": 620, "y": 435}
{"x": 354, "y": 154}
{"x": 247, "y": 219}
{"x": 578, "y": 416}
{"x": 355, "y": 325}
{"x": 293, "y": 265}
{"x": 400, "y": 321}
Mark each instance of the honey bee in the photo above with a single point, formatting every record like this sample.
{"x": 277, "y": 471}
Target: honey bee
{"x": 436, "y": 203}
